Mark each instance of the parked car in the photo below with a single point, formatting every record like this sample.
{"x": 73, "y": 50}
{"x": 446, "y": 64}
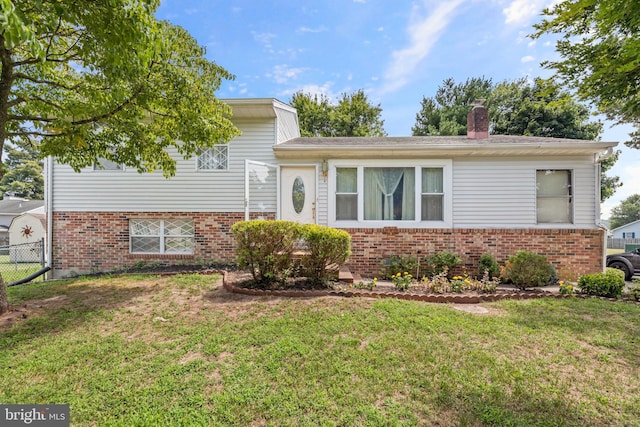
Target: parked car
{"x": 629, "y": 262}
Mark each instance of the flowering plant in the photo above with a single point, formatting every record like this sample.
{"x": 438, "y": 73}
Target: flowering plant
{"x": 402, "y": 281}
{"x": 566, "y": 288}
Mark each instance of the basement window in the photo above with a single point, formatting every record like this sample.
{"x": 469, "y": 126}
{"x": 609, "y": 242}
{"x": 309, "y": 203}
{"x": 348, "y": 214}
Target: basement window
{"x": 161, "y": 236}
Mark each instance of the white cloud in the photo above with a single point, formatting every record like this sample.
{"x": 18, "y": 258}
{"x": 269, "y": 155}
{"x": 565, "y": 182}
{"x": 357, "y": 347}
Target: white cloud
{"x": 283, "y": 73}
{"x": 264, "y": 39}
{"x": 424, "y": 32}
{"x": 521, "y": 12}
{"x": 320, "y": 29}
{"x": 360, "y": 1}
{"x": 527, "y": 58}
{"x": 313, "y": 89}
{"x": 380, "y": 28}
{"x": 532, "y": 43}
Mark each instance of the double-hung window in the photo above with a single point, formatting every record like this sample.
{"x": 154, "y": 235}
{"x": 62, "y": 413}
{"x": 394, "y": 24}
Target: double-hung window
{"x": 214, "y": 158}
{"x": 161, "y": 236}
{"x": 390, "y": 192}
{"x": 554, "y": 196}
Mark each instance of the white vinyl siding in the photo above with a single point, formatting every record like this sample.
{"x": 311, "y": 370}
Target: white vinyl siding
{"x": 287, "y": 125}
{"x": 502, "y": 193}
{"x": 189, "y": 190}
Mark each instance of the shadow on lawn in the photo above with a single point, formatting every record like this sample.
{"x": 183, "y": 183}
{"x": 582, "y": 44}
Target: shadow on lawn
{"x": 491, "y": 405}
{"x": 62, "y": 306}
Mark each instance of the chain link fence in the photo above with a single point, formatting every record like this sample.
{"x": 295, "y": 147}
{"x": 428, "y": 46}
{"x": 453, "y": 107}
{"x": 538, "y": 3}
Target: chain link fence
{"x": 20, "y": 261}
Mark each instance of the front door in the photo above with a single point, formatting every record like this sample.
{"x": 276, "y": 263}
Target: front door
{"x": 298, "y": 193}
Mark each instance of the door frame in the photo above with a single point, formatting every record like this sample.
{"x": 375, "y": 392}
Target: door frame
{"x": 279, "y": 186}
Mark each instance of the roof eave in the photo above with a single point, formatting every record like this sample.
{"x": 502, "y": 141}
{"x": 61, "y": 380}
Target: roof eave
{"x": 405, "y": 151}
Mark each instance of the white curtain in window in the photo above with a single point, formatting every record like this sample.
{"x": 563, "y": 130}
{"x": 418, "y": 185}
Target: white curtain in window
{"x": 380, "y": 185}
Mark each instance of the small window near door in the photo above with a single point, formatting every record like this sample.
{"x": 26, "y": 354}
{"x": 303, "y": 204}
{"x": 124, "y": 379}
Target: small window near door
{"x": 432, "y": 194}
{"x": 297, "y": 195}
{"x": 346, "y": 194}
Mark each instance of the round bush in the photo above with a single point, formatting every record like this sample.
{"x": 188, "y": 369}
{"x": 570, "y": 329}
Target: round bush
{"x": 527, "y": 269}
{"x": 608, "y": 284}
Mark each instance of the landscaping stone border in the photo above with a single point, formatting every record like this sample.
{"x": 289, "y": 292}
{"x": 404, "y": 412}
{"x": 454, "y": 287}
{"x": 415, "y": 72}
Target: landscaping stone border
{"x": 434, "y": 298}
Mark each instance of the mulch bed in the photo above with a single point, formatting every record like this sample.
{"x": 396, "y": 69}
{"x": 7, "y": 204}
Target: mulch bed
{"x": 241, "y": 283}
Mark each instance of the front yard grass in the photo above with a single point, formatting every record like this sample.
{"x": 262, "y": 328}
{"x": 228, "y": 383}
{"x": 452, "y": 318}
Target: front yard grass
{"x": 151, "y": 350}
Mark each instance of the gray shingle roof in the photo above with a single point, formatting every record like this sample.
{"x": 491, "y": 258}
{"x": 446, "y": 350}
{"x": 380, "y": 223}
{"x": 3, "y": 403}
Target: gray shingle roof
{"x": 16, "y": 207}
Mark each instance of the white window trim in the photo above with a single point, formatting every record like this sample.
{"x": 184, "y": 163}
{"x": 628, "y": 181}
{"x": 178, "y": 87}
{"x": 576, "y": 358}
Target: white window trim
{"x": 162, "y": 237}
{"x": 227, "y": 169}
{"x": 447, "y": 172}
{"x": 573, "y": 199}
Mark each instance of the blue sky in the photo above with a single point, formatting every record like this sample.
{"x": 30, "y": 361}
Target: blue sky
{"x": 397, "y": 51}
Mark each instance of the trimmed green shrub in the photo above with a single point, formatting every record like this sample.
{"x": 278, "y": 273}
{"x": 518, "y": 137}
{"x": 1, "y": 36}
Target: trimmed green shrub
{"x": 399, "y": 264}
{"x": 527, "y": 269}
{"x": 489, "y": 264}
{"x": 608, "y": 284}
{"x": 327, "y": 246}
{"x": 442, "y": 261}
{"x": 266, "y": 248}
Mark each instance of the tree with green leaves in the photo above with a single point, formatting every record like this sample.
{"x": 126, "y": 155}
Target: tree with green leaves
{"x": 626, "y": 212}
{"x": 353, "y": 115}
{"x": 599, "y": 46}
{"x": 23, "y": 172}
{"x": 83, "y": 80}
{"x": 517, "y": 107}
{"x": 446, "y": 112}
{"x": 313, "y": 113}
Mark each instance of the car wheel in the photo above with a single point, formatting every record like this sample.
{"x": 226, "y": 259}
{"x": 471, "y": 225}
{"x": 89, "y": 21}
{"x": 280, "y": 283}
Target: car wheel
{"x": 623, "y": 267}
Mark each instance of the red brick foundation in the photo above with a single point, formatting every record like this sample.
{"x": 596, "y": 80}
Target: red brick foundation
{"x": 86, "y": 242}
{"x": 572, "y": 252}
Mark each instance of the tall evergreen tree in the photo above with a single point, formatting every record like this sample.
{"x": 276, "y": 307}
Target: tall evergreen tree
{"x": 22, "y": 172}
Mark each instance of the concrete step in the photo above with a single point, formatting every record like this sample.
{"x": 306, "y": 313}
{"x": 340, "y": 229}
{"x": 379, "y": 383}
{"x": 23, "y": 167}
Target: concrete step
{"x": 344, "y": 274}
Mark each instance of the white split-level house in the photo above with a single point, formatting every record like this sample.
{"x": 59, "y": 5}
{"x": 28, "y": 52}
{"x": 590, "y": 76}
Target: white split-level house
{"x": 470, "y": 195}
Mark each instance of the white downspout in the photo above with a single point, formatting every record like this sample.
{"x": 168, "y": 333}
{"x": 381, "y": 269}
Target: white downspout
{"x": 49, "y": 213}
{"x": 597, "y": 160}
{"x": 246, "y": 189}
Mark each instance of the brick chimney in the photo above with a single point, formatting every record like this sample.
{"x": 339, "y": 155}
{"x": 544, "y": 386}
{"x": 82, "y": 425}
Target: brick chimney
{"x": 478, "y": 121}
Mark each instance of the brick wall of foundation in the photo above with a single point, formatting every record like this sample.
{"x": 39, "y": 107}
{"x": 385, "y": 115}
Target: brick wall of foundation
{"x": 99, "y": 241}
{"x": 572, "y": 252}
{"x": 85, "y": 242}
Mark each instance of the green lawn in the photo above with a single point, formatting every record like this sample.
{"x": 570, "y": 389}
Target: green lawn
{"x": 12, "y": 271}
{"x": 149, "y": 350}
